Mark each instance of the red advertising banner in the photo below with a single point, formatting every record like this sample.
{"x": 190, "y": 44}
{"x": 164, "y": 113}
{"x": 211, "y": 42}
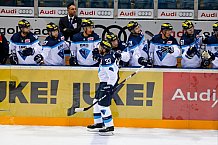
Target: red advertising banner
{"x": 190, "y": 96}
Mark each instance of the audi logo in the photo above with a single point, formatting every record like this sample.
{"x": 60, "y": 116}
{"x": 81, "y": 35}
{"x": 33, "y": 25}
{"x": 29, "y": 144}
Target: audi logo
{"x": 185, "y": 14}
{"x": 104, "y": 13}
{"x": 25, "y": 11}
{"x": 144, "y": 13}
{"x": 62, "y": 12}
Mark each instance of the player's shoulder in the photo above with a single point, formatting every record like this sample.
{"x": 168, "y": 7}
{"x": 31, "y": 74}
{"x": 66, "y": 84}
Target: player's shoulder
{"x": 95, "y": 35}
{"x": 15, "y": 37}
{"x": 212, "y": 40}
{"x": 156, "y": 38}
{"x": 77, "y": 37}
{"x": 173, "y": 40}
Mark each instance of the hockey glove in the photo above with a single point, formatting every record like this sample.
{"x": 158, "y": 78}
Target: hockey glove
{"x": 191, "y": 52}
{"x": 207, "y": 57}
{"x": 95, "y": 54}
{"x": 28, "y": 51}
{"x": 107, "y": 90}
{"x": 142, "y": 61}
{"x": 149, "y": 62}
{"x": 39, "y": 59}
{"x": 13, "y": 59}
{"x": 117, "y": 55}
{"x": 73, "y": 61}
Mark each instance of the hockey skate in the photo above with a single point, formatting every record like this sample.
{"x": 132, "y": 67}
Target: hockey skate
{"x": 108, "y": 131}
{"x": 95, "y": 127}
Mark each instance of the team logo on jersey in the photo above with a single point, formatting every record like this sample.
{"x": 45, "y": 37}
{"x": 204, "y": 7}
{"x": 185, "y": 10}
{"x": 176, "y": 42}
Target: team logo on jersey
{"x": 161, "y": 55}
{"x": 22, "y": 56}
{"x": 145, "y": 48}
{"x": 27, "y": 40}
{"x": 61, "y": 53}
{"x": 169, "y": 42}
{"x": 90, "y": 38}
{"x": 84, "y": 52}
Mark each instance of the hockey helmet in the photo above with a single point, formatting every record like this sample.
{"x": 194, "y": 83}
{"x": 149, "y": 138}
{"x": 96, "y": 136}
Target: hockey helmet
{"x": 23, "y": 24}
{"x": 131, "y": 25}
{"x": 215, "y": 26}
{"x": 51, "y": 27}
{"x": 110, "y": 36}
{"x": 187, "y": 25}
{"x": 105, "y": 45}
{"x": 87, "y": 22}
{"x": 166, "y": 26}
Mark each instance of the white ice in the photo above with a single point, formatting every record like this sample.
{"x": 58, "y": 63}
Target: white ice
{"x": 44, "y": 135}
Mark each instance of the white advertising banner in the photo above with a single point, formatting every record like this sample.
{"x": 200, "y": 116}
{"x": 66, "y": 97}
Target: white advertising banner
{"x": 175, "y": 14}
{"x": 208, "y": 14}
{"x": 136, "y": 13}
{"x": 95, "y": 13}
{"x": 17, "y": 11}
{"x": 52, "y": 11}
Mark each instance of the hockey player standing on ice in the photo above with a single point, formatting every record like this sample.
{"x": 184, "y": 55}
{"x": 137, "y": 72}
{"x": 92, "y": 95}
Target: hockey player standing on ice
{"x": 118, "y": 48}
{"x": 190, "y": 43}
{"x": 164, "y": 48}
{"x": 24, "y": 45}
{"x": 53, "y": 47}
{"x": 211, "y": 53}
{"x": 83, "y": 44}
{"x": 136, "y": 44}
{"x": 108, "y": 75}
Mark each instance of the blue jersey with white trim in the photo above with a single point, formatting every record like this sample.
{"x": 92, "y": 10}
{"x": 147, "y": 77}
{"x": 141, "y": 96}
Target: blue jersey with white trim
{"x": 187, "y": 42}
{"x": 212, "y": 45}
{"x": 18, "y": 44}
{"x": 136, "y": 48}
{"x": 53, "y": 50}
{"x": 108, "y": 69}
{"x": 82, "y": 48}
{"x": 164, "y": 58}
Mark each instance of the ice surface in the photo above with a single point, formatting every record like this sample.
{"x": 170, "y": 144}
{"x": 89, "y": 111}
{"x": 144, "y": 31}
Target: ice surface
{"x": 44, "y": 135}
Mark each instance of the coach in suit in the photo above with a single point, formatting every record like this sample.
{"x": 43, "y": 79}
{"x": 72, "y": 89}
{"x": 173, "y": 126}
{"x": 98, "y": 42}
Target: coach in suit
{"x": 70, "y": 24}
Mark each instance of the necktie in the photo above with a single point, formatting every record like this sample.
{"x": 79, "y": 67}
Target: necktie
{"x": 71, "y": 25}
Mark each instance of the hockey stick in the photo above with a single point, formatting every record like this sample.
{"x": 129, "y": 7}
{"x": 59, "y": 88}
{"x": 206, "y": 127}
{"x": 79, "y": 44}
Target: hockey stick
{"x": 149, "y": 33}
{"x": 87, "y": 108}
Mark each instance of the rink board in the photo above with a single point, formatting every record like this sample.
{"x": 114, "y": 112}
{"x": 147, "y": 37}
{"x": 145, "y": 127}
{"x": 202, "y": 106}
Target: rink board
{"x": 157, "y": 98}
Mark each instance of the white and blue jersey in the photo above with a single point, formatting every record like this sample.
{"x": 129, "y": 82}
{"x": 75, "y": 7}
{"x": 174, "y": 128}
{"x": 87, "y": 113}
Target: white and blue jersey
{"x": 212, "y": 45}
{"x": 82, "y": 48}
{"x": 18, "y": 44}
{"x": 53, "y": 50}
{"x": 136, "y": 48}
{"x": 164, "y": 59}
{"x": 108, "y": 69}
{"x": 186, "y": 42}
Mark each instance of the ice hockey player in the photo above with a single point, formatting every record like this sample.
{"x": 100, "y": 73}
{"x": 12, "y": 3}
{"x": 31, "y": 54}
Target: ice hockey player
{"x": 211, "y": 53}
{"x": 53, "y": 47}
{"x": 108, "y": 75}
{"x": 137, "y": 44}
{"x": 118, "y": 47}
{"x": 164, "y": 48}
{"x": 24, "y": 45}
{"x": 190, "y": 43}
{"x": 83, "y": 44}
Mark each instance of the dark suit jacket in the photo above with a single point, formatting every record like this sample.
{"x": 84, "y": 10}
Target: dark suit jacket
{"x": 64, "y": 23}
